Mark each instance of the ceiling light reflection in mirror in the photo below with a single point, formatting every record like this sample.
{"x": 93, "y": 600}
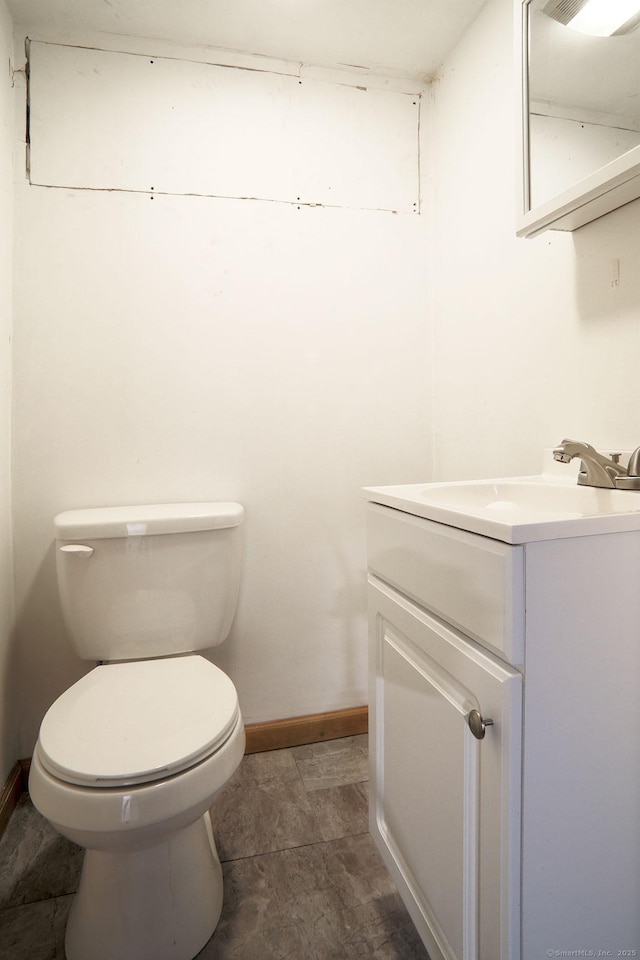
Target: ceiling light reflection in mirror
{"x": 603, "y": 18}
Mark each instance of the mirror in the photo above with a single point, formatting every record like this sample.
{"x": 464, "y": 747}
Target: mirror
{"x": 581, "y": 118}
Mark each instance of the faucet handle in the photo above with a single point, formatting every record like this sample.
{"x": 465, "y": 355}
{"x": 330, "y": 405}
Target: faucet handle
{"x": 632, "y": 479}
{"x": 634, "y": 463}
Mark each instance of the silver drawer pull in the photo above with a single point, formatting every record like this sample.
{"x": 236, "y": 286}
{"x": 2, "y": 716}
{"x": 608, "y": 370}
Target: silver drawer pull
{"x": 477, "y": 724}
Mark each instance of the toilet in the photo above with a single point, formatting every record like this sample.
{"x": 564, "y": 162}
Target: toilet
{"x": 129, "y": 758}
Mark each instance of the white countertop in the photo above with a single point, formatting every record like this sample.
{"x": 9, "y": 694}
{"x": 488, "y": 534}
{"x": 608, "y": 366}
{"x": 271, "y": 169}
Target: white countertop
{"x": 546, "y": 506}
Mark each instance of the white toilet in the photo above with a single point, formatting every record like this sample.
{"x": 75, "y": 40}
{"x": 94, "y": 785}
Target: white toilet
{"x": 129, "y": 758}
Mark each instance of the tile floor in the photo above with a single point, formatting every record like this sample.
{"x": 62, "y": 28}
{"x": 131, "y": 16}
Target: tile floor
{"x": 303, "y": 880}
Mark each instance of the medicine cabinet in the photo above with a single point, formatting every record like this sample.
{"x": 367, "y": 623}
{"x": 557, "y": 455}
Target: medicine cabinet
{"x": 580, "y": 111}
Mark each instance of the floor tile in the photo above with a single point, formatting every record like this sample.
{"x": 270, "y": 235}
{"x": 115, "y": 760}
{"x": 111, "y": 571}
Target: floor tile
{"x": 303, "y": 880}
{"x": 340, "y": 811}
{"x": 34, "y": 931}
{"x": 323, "y": 901}
{"x": 333, "y": 763}
{"x": 251, "y": 818}
{"x": 270, "y": 765}
{"x": 380, "y": 929}
{"x": 36, "y": 862}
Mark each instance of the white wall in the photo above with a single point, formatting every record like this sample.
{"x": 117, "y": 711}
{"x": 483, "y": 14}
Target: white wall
{"x": 532, "y": 343}
{"x": 192, "y": 348}
{"x": 7, "y": 706}
{"x": 214, "y": 131}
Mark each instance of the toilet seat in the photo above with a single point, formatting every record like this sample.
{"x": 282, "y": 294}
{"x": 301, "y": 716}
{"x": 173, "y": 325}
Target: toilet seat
{"x": 136, "y": 722}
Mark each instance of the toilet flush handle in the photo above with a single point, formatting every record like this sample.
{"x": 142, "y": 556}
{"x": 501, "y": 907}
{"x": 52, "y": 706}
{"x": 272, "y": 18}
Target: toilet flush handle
{"x": 78, "y": 550}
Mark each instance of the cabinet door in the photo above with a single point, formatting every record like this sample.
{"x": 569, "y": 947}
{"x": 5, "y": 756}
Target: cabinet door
{"x": 445, "y": 806}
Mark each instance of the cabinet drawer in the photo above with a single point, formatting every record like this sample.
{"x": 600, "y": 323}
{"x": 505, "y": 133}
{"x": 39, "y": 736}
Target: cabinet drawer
{"x": 472, "y": 582}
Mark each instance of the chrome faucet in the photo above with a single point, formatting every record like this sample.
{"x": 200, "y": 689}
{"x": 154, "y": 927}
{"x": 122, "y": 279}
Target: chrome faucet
{"x": 597, "y": 470}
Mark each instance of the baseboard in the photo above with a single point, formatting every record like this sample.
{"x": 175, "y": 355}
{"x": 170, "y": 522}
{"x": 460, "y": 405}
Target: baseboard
{"x": 10, "y": 794}
{"x": 313, "y": 728}
{"x": 272, "y": 735}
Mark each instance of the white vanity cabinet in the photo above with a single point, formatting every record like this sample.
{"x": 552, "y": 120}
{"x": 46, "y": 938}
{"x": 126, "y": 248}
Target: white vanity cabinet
{"x": 524, "y": 844}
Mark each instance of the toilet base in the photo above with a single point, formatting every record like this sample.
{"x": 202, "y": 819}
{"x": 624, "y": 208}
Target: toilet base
{"x": 161, "y": 902}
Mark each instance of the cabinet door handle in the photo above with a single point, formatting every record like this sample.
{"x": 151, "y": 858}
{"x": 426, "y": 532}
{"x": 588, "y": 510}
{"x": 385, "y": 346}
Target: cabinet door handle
{"x": 478, "y": 724}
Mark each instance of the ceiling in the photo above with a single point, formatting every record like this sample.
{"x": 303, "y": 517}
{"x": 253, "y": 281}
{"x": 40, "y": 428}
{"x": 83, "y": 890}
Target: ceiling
{"x": 407, "y": 38}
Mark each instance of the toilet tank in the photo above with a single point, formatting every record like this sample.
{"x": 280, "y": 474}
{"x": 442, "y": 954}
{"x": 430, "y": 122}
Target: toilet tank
{"x": 148, "y": 581}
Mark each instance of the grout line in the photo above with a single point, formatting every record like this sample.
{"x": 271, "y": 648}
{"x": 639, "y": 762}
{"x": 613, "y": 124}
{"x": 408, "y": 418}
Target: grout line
{"x": 297, "y": 846}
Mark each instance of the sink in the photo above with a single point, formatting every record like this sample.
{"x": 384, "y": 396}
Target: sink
{"x": 517, "y": 509}
{"x": 530, "y": 497}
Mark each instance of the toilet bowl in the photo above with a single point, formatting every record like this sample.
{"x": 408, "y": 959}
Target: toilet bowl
{"x": 129, "y": 758}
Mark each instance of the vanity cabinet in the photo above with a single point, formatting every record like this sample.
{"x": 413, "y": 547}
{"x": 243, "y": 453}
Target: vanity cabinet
{"x": 525, "y": 843}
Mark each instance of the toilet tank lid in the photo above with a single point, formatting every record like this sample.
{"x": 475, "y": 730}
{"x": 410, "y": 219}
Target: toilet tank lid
{"x": 146, "y": 520}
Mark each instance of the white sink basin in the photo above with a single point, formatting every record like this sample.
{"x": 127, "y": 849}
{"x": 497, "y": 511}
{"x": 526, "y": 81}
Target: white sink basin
{"x": 527, "y": 497}
{"x": 517, "y": 509}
